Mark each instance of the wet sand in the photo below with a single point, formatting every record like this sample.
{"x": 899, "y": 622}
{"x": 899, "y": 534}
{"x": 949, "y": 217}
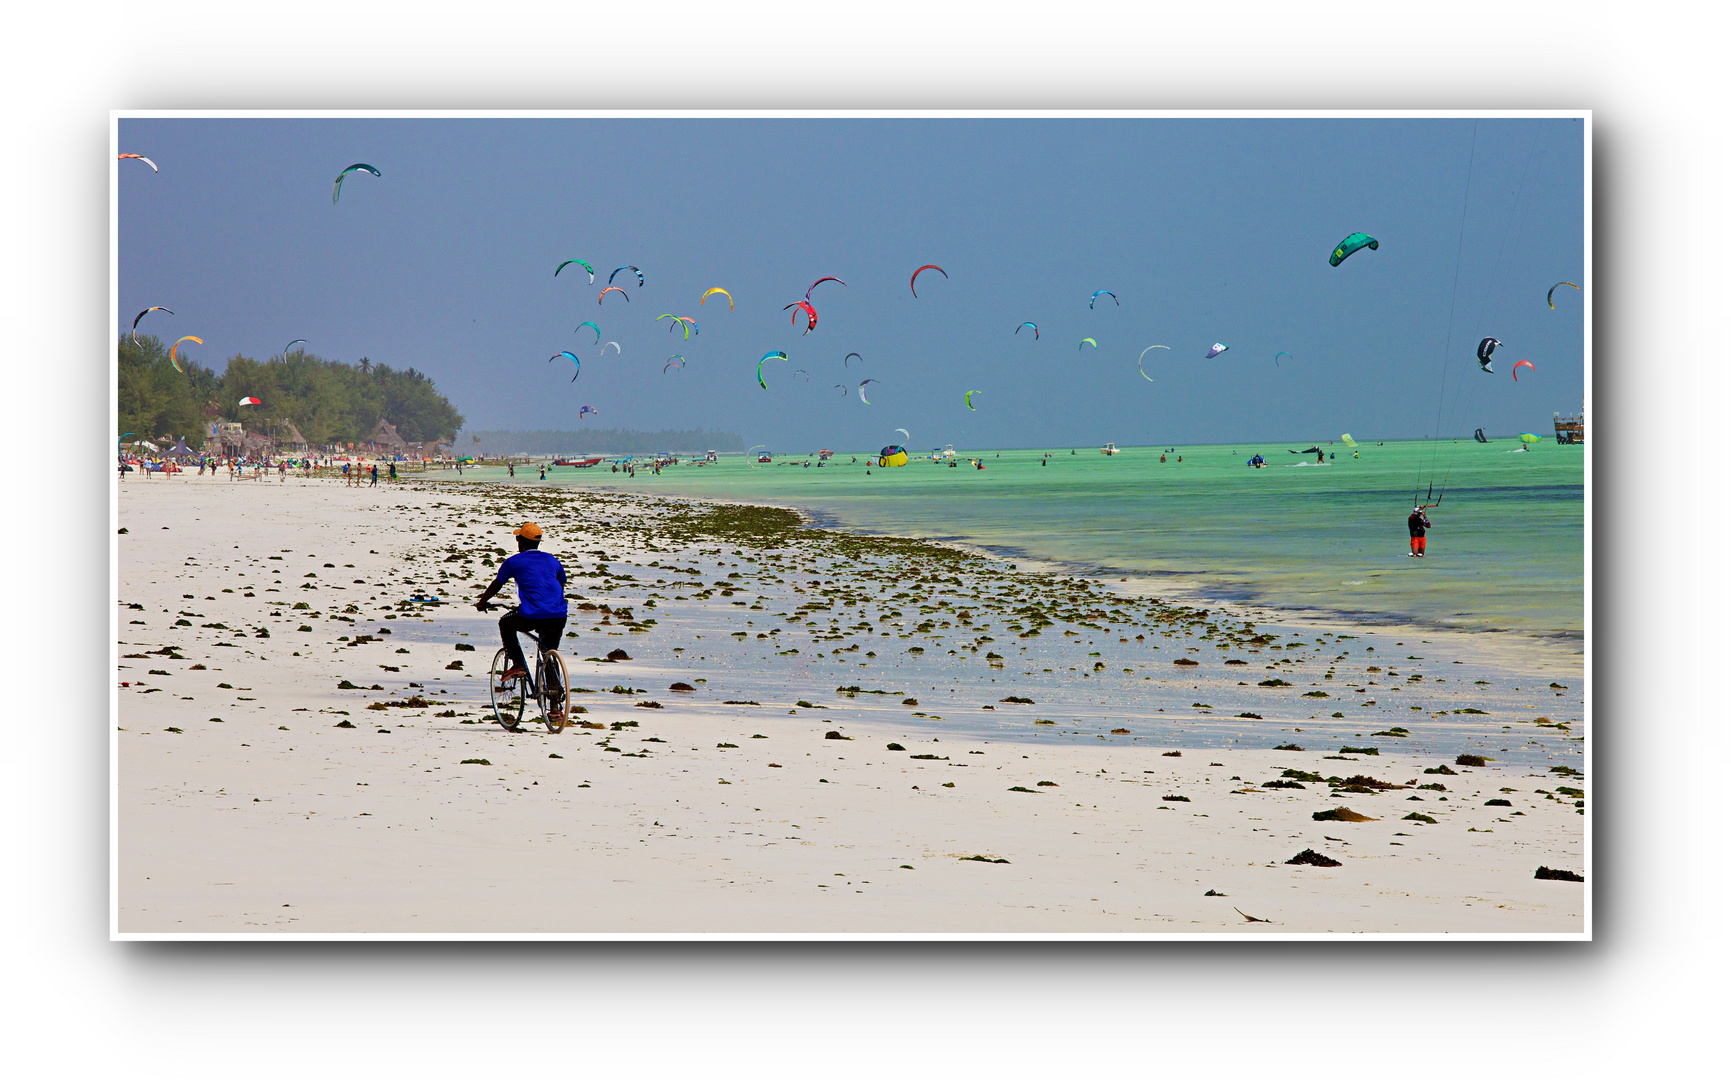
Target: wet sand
{"x": 1140, "y": 793}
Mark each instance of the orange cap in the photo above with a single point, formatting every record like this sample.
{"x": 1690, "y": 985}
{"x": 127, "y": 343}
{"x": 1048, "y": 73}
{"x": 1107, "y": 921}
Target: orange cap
{"x": 528, "y": 531}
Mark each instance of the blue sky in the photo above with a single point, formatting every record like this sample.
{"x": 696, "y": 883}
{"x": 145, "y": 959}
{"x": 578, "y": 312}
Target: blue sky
{"x": 1206, "y": 229}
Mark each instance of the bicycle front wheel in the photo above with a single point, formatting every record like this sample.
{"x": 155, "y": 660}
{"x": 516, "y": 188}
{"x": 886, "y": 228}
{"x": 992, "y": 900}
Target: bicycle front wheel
{"x": 507, "y": 694}
{"x": 554, "y": 693}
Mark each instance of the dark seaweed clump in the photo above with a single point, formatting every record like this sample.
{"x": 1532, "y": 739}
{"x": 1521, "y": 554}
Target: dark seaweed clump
{"x": 1308, "y": 857}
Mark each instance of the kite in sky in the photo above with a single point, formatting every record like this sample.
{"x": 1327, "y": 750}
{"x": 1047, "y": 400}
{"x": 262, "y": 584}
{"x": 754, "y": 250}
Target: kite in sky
{"x": 1351, "y": 244}
{"x": 579, "y": 262}
{"x": 141, "y": 315}
{"x": 574, "y": 360}
{"x": 921, "y": 270}
{"x": 773, "y": 355}
{"x": 820, "y": 281}
{"x": 175, "y": 348}
{"x": 337, "y": 191}
{"x": 1486, "y": 348}
{"x": 1145, "y": 352}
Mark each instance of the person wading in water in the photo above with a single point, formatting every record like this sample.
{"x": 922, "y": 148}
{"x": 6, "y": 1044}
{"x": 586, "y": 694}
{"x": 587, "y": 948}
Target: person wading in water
{"x": 1416, "y": 524}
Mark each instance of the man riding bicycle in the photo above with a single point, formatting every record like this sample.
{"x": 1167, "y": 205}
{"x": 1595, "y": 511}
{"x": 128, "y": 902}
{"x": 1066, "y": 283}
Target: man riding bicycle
{"x": 541, "y": 608}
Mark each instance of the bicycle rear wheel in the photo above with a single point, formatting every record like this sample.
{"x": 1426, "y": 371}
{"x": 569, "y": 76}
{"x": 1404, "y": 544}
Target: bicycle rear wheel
{"x": 507, "y": 694}
{"x": 554, "y": 696}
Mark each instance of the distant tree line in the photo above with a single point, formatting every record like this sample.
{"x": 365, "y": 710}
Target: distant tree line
{"x": 598, "y": 441}
{"x": 328, "y": 400}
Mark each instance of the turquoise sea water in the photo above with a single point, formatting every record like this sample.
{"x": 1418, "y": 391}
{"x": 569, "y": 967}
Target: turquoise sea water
{"x": 1505, "y": 554}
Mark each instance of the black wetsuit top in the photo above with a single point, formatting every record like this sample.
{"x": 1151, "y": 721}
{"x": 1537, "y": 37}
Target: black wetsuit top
{"x": 1417, "y": 523}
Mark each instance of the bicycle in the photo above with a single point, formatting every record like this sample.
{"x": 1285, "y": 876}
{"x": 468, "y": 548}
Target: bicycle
{"x": 546, "y": 684}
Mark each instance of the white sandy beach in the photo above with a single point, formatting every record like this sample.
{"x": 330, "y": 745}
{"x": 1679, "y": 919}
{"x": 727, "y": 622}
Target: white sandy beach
{"x": 260, "y": 816}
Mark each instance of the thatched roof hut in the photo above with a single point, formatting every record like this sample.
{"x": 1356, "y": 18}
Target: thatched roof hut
{"x": 289, "y": 435}
{"x": 385, "y": 437}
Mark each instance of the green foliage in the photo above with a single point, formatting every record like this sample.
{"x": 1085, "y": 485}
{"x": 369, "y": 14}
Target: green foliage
{"x": 158, "y": 401}
{"x": 327, "y": 400}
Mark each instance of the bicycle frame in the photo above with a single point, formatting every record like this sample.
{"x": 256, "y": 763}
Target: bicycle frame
{"x": 555, "y": 713}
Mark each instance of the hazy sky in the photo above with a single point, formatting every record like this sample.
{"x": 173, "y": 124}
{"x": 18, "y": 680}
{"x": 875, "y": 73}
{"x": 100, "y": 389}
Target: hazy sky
{"x": 1206, "y": 229}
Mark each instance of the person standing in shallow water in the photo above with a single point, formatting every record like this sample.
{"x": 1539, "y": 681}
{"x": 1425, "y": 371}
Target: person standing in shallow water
{"x": 1416, "y": 524}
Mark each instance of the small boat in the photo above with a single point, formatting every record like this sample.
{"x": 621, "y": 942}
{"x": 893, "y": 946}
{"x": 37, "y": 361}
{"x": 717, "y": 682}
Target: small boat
{"x": 948, "y": 453}
{"x": 825, "y": 455}
{"x": 1110, "y": 448}
{"x": 580, "y": 463}
{"x": 709, "y": 458}
{"x": 763, "y": 458}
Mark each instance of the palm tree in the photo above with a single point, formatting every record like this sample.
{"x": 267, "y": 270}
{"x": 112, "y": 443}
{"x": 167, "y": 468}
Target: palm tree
{"x": 365, "y": 365}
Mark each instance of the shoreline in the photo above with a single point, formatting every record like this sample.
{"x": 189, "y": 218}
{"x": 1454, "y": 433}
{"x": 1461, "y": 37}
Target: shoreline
{"x": 640, "y": 826}
{"x": 1561, "y": 647}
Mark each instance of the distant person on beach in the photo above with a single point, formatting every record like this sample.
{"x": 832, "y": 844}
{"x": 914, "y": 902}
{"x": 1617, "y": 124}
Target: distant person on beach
{"x": 1416, "y": 524}
{"x": 375, "y": 482}
{"x": 541, "y": 608}
{"x": 511, "y": 468}
{"x": 393, "y": 471}
{"x": 543, "y": 472}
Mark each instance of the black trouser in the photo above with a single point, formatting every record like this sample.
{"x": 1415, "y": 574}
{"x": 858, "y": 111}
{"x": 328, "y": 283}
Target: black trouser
{"x": 546, "y": 631}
